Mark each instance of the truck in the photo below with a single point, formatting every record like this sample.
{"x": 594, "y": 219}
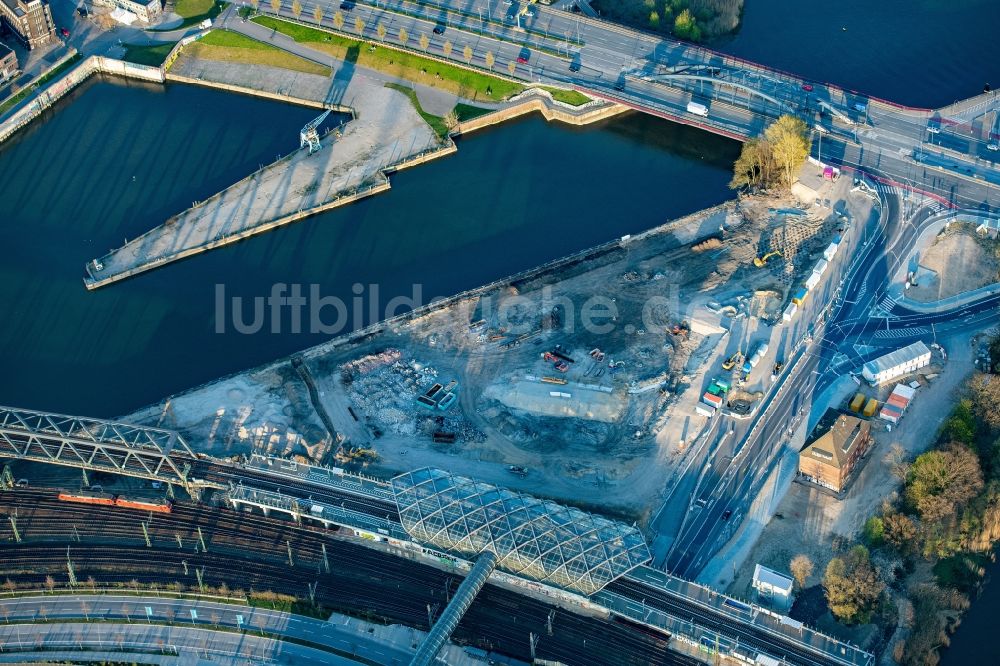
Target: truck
{"x": 755, "y": 358}
{"x": 698, "y": 109}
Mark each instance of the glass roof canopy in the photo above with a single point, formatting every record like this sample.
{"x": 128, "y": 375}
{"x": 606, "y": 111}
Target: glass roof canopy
{"x": 532, "y": 538}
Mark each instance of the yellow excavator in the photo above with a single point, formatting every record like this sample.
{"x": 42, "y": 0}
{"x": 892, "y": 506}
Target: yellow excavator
{"x": 733, "y": 360}
{"x": 760, "y": 262}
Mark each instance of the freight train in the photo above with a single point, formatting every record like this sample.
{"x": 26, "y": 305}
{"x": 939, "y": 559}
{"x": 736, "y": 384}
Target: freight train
{"x": 107, "y": 499}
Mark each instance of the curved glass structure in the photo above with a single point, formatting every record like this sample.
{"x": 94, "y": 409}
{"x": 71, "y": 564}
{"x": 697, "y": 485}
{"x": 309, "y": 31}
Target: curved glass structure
{"x": 536, "y": 539}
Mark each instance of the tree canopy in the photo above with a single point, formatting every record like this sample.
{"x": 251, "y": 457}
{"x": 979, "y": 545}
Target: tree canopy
{"x": 853, "y": 587}
{"x": 774, "y": 158}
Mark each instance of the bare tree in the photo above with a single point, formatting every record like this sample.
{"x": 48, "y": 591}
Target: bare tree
{"x": 451, "y": 120}
{"x": 276, "y": 6}
{"x": 318, "y": 13}
{"x": 50, "y": 583}
{"x": 446, "y": 49}
{"x": 338, "y": 21}
{"x": 424, "y": 41}
{"x": 255, "y": 4}
{"x": 801, "y": 567}
{"x": 511, "y": 67}
{"x": 490, "y": 60}
{"x": 381, "y": 31}
{"x": 403, "y": 36}
{"x": 296, "y": 8}
{"x": 467, "y": 52}
{"x": 359, "y": 25}
{"x": 896, "y": 461}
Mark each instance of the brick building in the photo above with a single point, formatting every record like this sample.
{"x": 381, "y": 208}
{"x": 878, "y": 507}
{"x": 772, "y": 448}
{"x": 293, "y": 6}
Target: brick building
{"x": 830, "y": 459}
{"x": 29, "y": 20}
{"x": 8, "y": 63}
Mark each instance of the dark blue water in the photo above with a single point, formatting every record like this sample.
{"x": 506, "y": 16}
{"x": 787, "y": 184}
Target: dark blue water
{"x": 119, "y": 158}
{"x": 925, "y": 53}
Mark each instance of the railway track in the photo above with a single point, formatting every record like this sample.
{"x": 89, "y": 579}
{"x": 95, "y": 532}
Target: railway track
{"x": 249, "y": 551}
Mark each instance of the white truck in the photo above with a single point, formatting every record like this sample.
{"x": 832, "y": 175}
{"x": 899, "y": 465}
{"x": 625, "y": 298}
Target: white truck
{"x": 698, "y": 109}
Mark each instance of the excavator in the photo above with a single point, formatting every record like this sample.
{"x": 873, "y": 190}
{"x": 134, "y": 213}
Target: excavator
{"x": 760, "y": 262}
{"x": 733, "y": 360}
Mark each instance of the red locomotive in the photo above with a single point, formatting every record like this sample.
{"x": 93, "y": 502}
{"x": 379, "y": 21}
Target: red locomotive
{"x": 86, "y": 497}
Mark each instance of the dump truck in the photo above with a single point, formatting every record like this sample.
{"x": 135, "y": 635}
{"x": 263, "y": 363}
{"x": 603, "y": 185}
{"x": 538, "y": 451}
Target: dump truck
{"x": 871, "y": 407}
{"x": 858, "y": 402}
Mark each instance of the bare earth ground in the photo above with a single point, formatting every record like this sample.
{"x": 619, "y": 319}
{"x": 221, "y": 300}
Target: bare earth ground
{"x": 811, "y": 519}
{"x": 957, "y": 262}
{"x": 602, "y": 435}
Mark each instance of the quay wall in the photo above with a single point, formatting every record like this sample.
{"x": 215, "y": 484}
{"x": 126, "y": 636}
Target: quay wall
{"x": 49, "y": 95}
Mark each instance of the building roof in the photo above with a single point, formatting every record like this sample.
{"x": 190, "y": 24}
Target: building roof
{"x": 533, "y": 538}
{"x": 772, "y": 579}
{"x": 834, "y": 447}
{"x": 896, "y": 358}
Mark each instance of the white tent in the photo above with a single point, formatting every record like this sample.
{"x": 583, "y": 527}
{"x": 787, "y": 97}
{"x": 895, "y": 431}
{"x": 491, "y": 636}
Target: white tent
{"x": 124, "y": 17}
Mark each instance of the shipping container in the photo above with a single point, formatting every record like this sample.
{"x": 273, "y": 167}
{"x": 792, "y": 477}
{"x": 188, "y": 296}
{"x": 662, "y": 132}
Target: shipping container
{"x": 713, "y": 400}
{"x": 705, "y": 410}
{"x": 871, "y": 407}
{"x": 812, "y": 281}
{"x": 897, "y": 400}
{"x": 789, "y": 312}
{"x": 800, "y": 296}
{"x": 830, "y": 251}
{"x": 821, "y": 266}
{"x": 857, "y": 402}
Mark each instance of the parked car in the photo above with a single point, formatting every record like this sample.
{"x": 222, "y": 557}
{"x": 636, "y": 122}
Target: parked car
{"x": 346, "y": 6}
{"x": 807, "y": 87}
{"x": 64, "y": 32}
{"x": 439, "y": 29}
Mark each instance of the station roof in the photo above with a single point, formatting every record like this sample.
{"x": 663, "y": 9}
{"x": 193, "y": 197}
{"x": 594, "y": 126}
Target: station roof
{"x": 532, "y": 538}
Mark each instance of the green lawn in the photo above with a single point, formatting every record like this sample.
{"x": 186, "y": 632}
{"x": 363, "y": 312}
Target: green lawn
{"x": 437, "y": 123}
{"x": 152, "y": 55}
{"x": 468, "y": 112}
{"x": 193, "y": 12}
{"x": 463, "y": 82}
{"x": 572, "y": 97}
{"x": 225, "y": 46}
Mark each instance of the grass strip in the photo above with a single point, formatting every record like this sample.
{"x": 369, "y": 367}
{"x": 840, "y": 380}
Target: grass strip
{"x": 193, "y": 12}
{"x": 147, "y": 54}
{"x": 225, "y": 46}
{"x": 571, "y": 97}
{"x": 467, "y": 111}
{"x": 437, "y": 123}
{"x": 402, "y": 64}
{"x": 16, "y": 98}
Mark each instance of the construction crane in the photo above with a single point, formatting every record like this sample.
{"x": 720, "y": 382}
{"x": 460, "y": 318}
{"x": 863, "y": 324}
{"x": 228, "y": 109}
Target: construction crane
{"x": 309, "y": 136}
{"x": 762, "y": 261}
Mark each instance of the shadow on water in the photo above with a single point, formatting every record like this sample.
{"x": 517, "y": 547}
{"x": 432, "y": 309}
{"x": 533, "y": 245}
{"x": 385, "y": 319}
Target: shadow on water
{"x": 121, "y": 158}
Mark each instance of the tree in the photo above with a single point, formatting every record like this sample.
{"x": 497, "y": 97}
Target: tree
{"x": 255, "y": 4}
{"x": 896, "y": 460}
{"x": 753, "y": 166}
{"x": 424, "y": 41}
{"x": 318, "y": 13}
{"x": 381, "y": 31}
{"x": 654, "y": 19}
{"x": 789, "y": 145}
{"x": 467, "y": 52}
{"x": 941, "y": 483}
{"x": 511, "y": 67}
{"x": 50, "y": 583}
{"x": 446, "y": 49}
{"x": 296, "y": 8}
{"x": 490, "y": 60}
{"x": 852, "y": 586}
{"x": 801, "y": 567}
{"x": 900, "y": 531}
{"x": 984, "y": 390}
{"x": 874, "y": 532}
{"x": 359, "y": 25}
{"x": 338, "y": 21}
{"x": 276, "y": 6}
{"x": 451, "y": 120}
{"x": 686, "y": 26}
{"x": 403, "y": 36}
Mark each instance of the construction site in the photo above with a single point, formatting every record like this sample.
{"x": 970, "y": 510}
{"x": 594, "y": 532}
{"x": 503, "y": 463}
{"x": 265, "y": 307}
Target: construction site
{"x": 569, "y": 381}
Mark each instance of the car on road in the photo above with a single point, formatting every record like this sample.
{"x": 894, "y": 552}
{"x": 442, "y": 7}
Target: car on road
{"x": 347, "y": 6}
{"x": 993, "y": 146}
{"x": 934, "y": 129}
{"x": 523, "y": 56}
{"x": 64, "y": 32}
{"x": 726, "y": 514}
{"x": 439, "y": 29}
{"x": 808, "y": 87}
{"x": 82, "y": 11}
{"x": 574, "y": 66}
{"x": 619, "y": 85}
